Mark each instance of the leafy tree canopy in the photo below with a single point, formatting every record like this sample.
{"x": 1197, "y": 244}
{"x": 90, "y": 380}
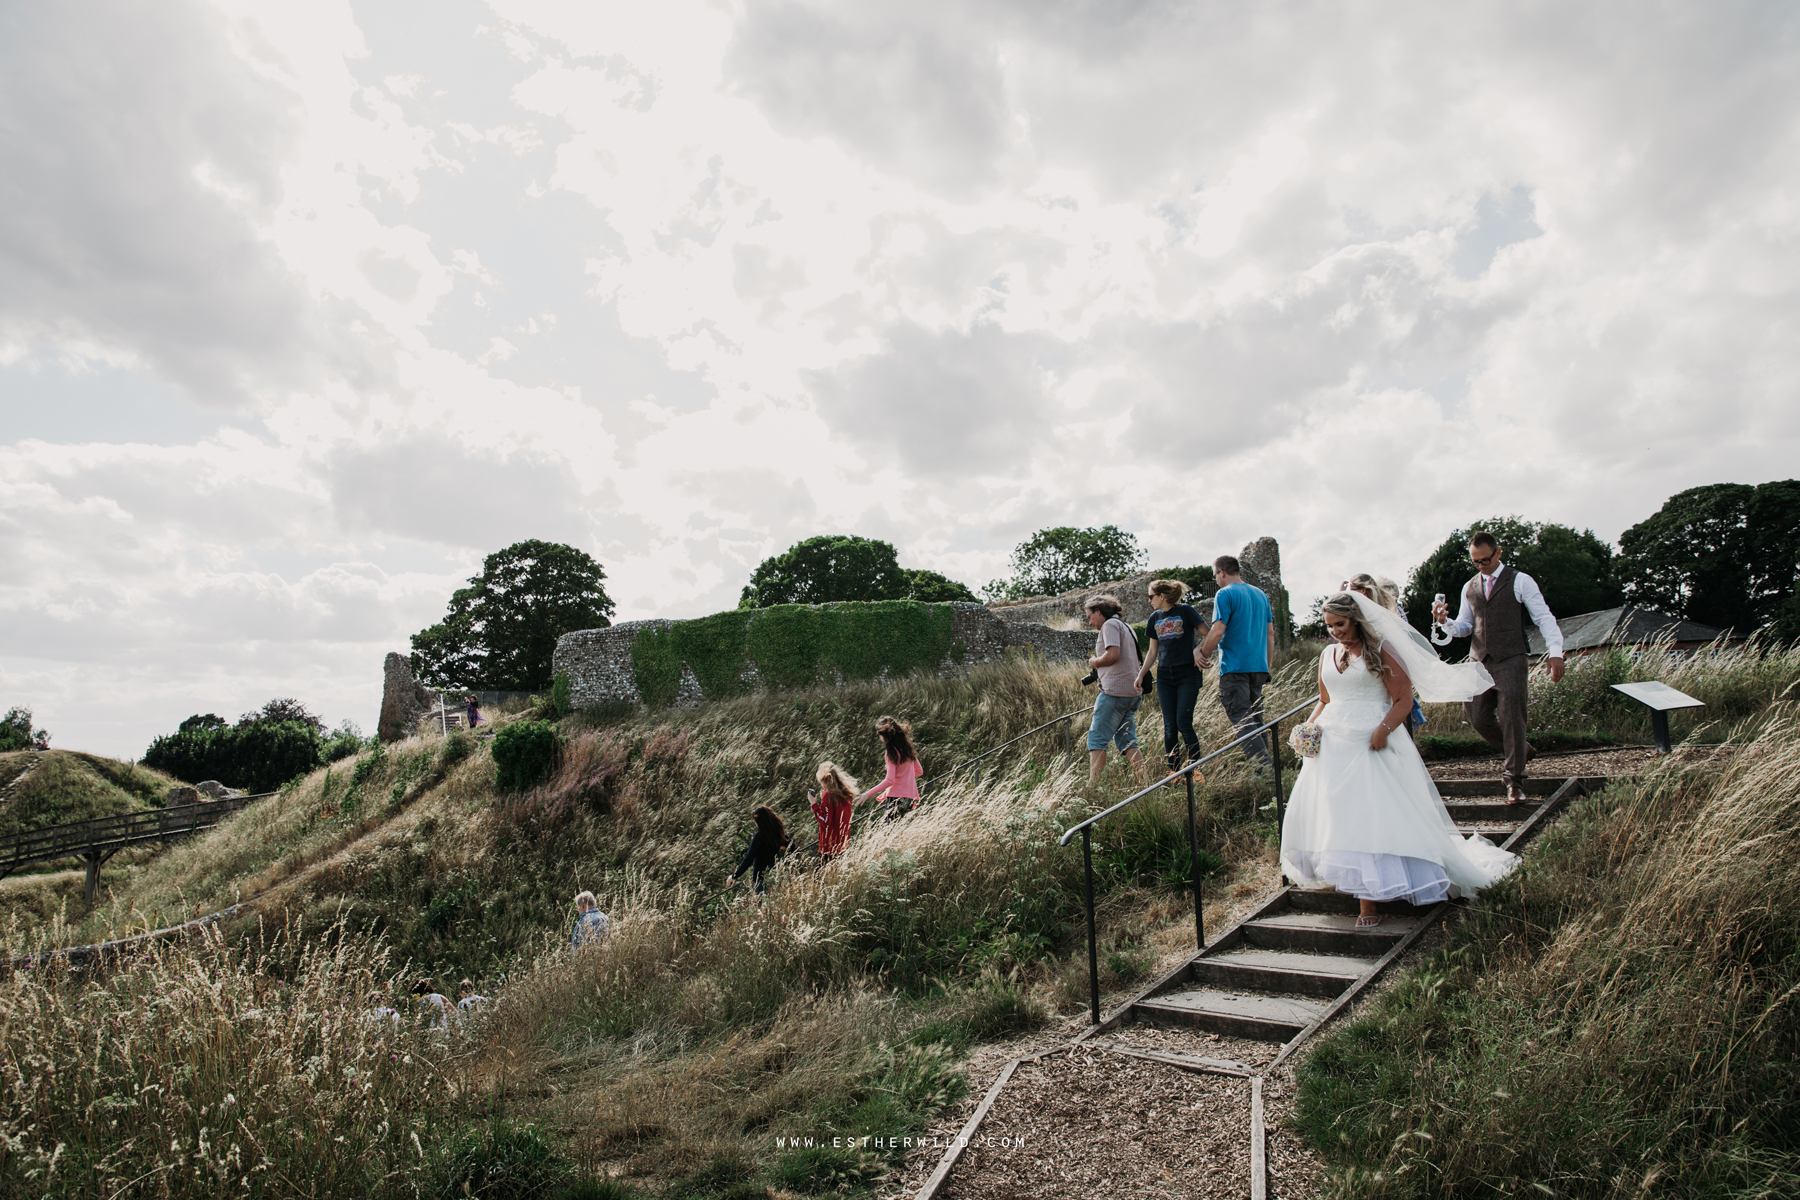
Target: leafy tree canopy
{"x": 501, "y": 630}
{"x": 1574, "y": 569}
{"x": 285, "y": 709}
{"x": 201, "y": 721}
{"x": 1724, "y": 555}
{"x": 1058, "y": 560}
{"x": 928, "y": 587}
{"x": 16, "y": 732}
{"x": 822, "y": 569}
{"x": 1199, "y": 580}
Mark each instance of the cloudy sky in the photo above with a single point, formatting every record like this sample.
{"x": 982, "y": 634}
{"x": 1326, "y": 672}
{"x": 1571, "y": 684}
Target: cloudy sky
{"x": 304, "y": 308}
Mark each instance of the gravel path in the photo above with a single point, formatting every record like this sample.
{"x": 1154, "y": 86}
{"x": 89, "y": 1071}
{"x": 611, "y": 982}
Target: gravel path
{"x": 1087, "y": 1123}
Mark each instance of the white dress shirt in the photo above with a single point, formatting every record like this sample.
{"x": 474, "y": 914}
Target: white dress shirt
{"x": 1526, "y": 592}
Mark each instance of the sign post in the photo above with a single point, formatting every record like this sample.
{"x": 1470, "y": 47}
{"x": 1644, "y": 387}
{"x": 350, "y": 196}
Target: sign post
{"x": 1661, "y": 700}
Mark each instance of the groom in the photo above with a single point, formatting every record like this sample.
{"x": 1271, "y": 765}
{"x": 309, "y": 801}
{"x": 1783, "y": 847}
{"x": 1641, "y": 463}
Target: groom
{"x": 1495, "y": 605}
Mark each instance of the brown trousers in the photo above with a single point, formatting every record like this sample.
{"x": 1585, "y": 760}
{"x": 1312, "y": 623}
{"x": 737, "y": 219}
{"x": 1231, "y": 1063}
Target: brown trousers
{"x": 1498, "y": 714}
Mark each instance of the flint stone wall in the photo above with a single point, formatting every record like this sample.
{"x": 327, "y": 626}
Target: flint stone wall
{"x": 404, "y": 700}
{"x": 598, "y": 661}
{"x": 1260, "y": 560}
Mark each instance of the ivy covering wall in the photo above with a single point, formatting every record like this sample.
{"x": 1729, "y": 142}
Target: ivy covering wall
{"x": 792, "y": 645}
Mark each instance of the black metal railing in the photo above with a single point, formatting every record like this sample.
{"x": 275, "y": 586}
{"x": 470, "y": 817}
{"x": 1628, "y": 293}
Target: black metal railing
{"x": 1067, "y": 721}
{"x": 1085, "y": 829}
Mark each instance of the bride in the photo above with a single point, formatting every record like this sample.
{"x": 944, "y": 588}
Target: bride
{"x": 1365, "y": 816}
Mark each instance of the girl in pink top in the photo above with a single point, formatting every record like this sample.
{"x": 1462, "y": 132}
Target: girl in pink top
{"x": 903, "y": 770}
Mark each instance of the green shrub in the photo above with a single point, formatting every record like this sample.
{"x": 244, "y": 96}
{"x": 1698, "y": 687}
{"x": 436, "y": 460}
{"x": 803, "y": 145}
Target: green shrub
{"x": 501, "y": 1161}
{"x": 561, "y": 698}
{"x": 524, "y": 754}
{"x": 792, "y": 645}
{"x": 344, "y": 741}
{"x": 458, "y": 746}
{"x": 258, "y": 756}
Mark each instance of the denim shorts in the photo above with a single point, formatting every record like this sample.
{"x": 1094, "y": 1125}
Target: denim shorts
{"x": 1113, "y": 718}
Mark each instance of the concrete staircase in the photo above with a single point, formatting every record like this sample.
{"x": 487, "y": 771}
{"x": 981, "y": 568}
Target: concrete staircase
{"x": 1293, "y": 963}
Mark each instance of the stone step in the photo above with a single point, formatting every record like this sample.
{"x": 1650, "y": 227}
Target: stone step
{"x": 1326, "y": 933}
{"x": 1489, "y": 811}
{"x": 1493, "y": 833}
{"x": 1330, "y": 900}
{"x": 1233, "y": 1014}
{"x": 1493, "y": 787}
{"x": 1322, "y": 975}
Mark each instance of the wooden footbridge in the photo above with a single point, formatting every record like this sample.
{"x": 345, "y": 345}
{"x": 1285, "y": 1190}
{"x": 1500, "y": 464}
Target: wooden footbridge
{"x": 95, "y": 841}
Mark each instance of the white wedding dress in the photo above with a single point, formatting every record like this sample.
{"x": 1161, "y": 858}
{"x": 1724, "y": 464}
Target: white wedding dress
{"x": 1371, "y": 822}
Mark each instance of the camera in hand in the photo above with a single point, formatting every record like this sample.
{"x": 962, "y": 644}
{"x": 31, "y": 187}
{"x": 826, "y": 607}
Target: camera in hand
{"x": 1090, "y": 677}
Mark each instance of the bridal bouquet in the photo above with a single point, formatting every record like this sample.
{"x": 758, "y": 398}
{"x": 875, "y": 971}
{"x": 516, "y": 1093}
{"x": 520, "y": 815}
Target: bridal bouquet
{"x": 1305, "y": 739}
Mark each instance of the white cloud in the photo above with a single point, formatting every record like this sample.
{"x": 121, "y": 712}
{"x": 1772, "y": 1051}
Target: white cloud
{"x": 683, "y": 283}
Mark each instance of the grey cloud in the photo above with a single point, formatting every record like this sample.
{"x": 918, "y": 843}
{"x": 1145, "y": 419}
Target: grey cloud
{"x": 107, "y": 111}
{"x": 437, "y": 489}
{"x": 1501, "y": 219}
{"x": 1370, "y": 318}
{"x": 952, "y": 267}
{"x": 945, "y": 403}
{"x": 899, "y": 89}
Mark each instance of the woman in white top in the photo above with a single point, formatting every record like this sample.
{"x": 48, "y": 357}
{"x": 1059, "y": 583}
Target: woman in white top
{"x": 1365, "y": 816}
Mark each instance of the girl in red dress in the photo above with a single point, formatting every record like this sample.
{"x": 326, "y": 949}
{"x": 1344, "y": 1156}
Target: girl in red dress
{"x": 831, "y": 808}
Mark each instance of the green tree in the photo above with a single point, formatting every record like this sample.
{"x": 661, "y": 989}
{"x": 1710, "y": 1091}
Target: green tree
{"x": 928, "y": 587}
{"x": 1725, "y": 555}
{"x": 1574, "y": 570}
{"x": 16, "y": 732}
{"x": 822, "y": 569}
{"x": 283, "y": 709}
{"x": 501, "y": 630}
{"x": 1199, "y": 580}
{"x": 1058, "y": 560}
{"x": 255, "y": 755}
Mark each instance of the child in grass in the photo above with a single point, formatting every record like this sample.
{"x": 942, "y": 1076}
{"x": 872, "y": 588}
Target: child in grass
{"x": 903, "y": 770}
{"x": 591, "y": 925}
{"x": 831, "y": 808}
{"x": 766, "y": 845}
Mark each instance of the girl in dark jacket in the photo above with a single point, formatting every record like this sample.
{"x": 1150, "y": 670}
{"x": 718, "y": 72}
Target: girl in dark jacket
{"x": 769, "y": 842}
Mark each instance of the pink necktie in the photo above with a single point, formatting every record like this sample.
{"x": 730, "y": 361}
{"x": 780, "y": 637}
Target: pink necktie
{"x": 1487, "y": 587}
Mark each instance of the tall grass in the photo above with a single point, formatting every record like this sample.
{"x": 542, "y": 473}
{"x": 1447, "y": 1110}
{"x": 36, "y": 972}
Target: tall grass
{"x": 1737, "y": 683}
{"x": 1621, "y": 1018}
{"x": 203, "y": 1069}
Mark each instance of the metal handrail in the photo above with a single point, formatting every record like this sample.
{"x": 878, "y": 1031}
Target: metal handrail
{"x": 1070, "y": 717}
{"x": 1086, "y": 828}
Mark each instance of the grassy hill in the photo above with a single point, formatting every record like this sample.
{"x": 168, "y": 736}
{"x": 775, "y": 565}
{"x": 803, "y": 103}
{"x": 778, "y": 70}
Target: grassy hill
{"x": 677, "y": 1052}
{"x": 59, "y": 786}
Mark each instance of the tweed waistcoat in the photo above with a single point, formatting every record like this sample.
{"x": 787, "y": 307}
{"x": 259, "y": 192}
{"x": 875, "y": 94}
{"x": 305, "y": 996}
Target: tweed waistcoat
{"x": 1499, "y": 618}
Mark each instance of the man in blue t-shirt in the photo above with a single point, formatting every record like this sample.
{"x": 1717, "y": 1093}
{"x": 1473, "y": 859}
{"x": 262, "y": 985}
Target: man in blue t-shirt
{"x": 1243, "y": 631}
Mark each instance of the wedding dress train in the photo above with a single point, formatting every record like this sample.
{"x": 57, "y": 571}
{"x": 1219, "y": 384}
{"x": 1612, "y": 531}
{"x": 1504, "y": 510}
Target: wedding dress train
{"x": 1371, "y": 822}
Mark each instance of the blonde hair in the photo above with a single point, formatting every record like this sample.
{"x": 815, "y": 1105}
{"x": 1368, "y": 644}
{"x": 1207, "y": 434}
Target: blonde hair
{"x": 1378, "y": 588}
{"x": 585, "y": 901}
{"x": 1344, "y": 606}
{"x": 837, "y": 781}
{"x": 1174, "y": 589}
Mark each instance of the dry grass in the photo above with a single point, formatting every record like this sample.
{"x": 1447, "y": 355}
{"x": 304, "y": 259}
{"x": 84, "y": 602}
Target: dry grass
{"x": 198, "y": 1069}
{"x": 1620, "y": 1018}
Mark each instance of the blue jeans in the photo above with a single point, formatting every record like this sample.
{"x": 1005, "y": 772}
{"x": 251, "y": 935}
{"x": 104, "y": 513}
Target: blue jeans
{"x": 1177, "y": 698}
{"x": 1114, "y": 718}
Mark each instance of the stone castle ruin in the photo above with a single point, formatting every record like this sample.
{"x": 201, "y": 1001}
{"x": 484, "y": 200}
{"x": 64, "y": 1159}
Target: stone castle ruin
{"x": 655, "y": 663}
